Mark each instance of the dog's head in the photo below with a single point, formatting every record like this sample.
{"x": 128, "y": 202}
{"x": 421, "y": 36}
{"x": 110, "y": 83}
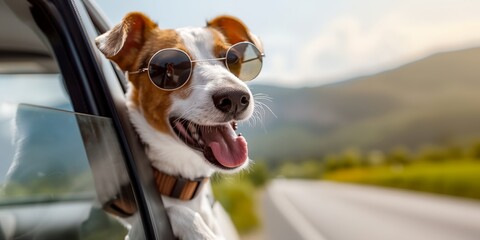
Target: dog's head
{"x": 198, "y": 119}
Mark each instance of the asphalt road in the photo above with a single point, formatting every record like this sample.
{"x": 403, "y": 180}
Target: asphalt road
{"x": 297, "y": 209}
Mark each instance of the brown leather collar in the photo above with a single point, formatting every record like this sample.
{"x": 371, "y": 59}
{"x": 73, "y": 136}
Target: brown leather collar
{"x": 178, "y": 187}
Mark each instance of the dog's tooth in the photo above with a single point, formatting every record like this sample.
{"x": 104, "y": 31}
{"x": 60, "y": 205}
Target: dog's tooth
{"x": 195, "y": 136}
{"x": 192, "y": 128}
{"x": 200, "y": 142}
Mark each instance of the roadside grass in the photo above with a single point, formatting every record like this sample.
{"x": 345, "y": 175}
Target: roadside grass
{"x": 459, "y": 178}
{"x": 239, "y": 195}
{"x": 239, "y": 198}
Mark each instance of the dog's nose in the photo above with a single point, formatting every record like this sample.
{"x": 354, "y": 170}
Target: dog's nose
{"x": 231, "y": 100}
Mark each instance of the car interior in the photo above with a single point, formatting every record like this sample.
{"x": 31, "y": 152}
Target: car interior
{"x": 21, "y": 45}
{"x": 47, "y": 187}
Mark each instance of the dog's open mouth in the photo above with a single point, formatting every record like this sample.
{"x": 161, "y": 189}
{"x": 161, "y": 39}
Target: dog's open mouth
{"x": 220, "y": 144}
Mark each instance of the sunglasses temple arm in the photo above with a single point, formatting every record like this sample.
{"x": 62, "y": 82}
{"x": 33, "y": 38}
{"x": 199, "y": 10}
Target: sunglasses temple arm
{"x": 139, "y": 71}
{"x": 252, "y": 59}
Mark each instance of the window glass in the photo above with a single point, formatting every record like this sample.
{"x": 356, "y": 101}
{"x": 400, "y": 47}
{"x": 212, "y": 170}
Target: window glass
{"x": 43, "y": 89}
{"x": 61, "y": 172}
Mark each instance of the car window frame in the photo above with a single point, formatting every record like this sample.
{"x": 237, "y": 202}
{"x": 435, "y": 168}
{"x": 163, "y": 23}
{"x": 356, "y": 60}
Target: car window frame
{"x": 95, "y": 89}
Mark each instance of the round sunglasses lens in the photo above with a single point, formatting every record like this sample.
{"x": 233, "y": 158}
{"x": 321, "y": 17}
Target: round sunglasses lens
{"x": 170, "y": 69}
{"x": 244, "y": 60}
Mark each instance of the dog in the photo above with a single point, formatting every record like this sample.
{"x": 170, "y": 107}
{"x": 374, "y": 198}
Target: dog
{"x": 186, "y": 93}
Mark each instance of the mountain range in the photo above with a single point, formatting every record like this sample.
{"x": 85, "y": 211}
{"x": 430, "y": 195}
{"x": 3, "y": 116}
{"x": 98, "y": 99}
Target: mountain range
{"x": 434, "y": 100}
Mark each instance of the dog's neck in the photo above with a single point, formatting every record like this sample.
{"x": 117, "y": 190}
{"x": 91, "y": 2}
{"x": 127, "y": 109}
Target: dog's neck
{"x": 178, "y": 187}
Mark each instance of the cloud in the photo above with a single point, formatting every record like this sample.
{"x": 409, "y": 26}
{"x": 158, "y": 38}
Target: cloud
{"x": 350, "y": 45}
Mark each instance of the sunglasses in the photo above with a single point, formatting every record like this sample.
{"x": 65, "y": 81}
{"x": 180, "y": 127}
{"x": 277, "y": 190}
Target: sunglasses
{"x": 170, "y": 69}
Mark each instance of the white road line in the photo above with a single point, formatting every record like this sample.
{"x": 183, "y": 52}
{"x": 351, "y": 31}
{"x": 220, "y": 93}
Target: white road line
{"x": 297, "y": 221}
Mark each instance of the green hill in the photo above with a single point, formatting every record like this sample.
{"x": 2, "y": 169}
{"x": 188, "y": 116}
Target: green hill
{"x": 435, "y": 100}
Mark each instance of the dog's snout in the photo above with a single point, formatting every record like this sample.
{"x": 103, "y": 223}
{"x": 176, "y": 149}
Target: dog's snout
{"x": 232, "y": 101}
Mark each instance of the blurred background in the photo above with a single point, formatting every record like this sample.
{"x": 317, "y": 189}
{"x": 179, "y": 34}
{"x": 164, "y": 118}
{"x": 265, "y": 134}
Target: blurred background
{"x": 378, "y": 93}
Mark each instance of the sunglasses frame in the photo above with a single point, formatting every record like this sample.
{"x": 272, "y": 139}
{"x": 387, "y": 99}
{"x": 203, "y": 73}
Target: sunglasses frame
{"x": 142, "y": 70}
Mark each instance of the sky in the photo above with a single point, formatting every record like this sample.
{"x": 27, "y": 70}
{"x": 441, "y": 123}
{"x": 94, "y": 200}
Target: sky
{"x": 315, "y": 42}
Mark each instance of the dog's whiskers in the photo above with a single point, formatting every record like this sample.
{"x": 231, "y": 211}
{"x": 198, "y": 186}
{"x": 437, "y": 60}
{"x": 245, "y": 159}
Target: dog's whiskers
{"x": 260, "y": 110}
{"x": 262, "y": 96}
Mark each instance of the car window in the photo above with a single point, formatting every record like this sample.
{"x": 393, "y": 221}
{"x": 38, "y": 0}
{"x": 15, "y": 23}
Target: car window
{"x": 64, "y": 176}
{"x": 43, "y": 89}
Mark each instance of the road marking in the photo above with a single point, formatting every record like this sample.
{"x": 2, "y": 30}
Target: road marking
{"x": 297, "y": 221}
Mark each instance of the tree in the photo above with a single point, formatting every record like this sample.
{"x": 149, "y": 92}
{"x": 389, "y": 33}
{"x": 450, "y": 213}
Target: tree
{"x": 375, "y": 158}
{"x": 350, "y": 158}
{"x": 311, "y": 169}
{"x": 398, "y": 156}
{"x": 431, "y": 153}
{"x": 474, "y": 151}
{"x": 259, "y": 173}
{"x": 331, "y": 163}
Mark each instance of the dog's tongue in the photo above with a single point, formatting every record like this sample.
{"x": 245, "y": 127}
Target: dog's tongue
{"x": 228, "y": 149}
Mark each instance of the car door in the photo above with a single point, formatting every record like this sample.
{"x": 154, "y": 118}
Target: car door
{"x": 71, "y": 165}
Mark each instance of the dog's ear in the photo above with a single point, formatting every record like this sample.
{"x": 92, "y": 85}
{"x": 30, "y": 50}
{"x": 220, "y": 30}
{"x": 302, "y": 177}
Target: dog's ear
{"x": 123, "y": 42}
{"x": 234, "y": 30}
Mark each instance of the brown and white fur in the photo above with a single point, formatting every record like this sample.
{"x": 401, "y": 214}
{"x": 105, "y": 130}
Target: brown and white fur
{"x": 130, "y": 44}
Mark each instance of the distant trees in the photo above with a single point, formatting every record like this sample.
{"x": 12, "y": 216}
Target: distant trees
{"x": 397, "y": 157}
{"x": 474, "y": 151}
{"x": 311, "y": 169}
